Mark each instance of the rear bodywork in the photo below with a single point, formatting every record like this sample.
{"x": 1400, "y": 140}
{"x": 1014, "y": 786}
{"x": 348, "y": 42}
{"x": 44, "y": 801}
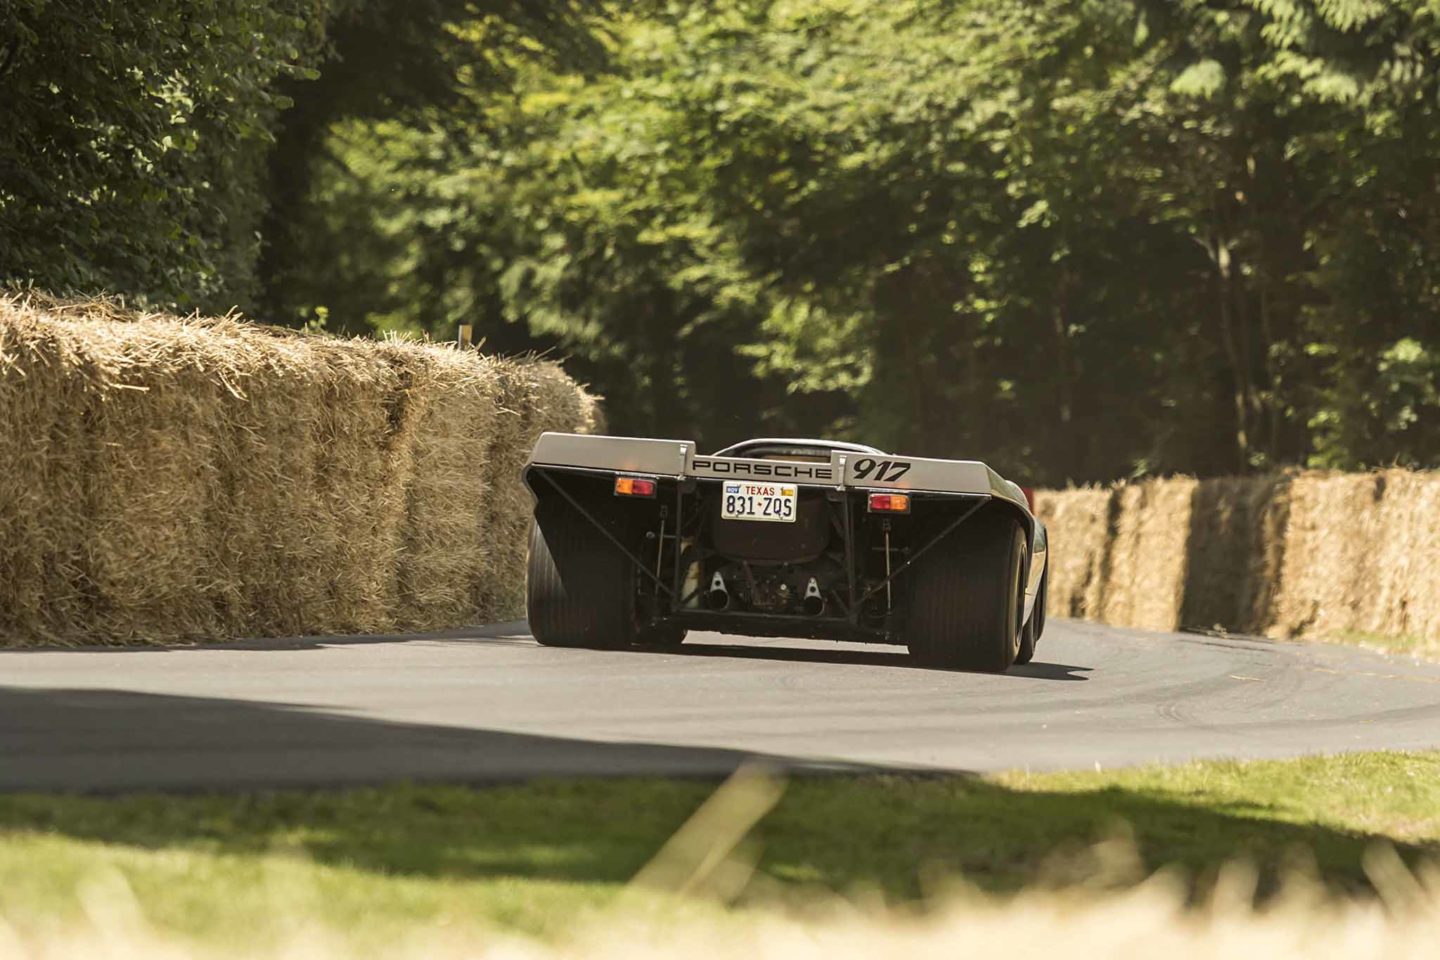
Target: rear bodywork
{"x": 838, "y": 571}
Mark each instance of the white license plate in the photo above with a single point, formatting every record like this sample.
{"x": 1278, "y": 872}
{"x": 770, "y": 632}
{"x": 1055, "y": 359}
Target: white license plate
{"x": 772, "y": 502}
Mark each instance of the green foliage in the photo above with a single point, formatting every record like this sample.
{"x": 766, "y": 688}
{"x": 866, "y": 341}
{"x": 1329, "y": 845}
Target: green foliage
{"x": 131, "y": 136}
{"x": 1080, "y": 240}
{"x": 423, "y": 60}
{"x": 146, "y": 146}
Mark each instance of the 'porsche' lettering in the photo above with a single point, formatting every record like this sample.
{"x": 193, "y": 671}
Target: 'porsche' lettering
{"x": 741, "y": 468}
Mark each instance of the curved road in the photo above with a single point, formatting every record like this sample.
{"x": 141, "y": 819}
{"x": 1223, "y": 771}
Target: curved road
{"x": 488, "y": 704}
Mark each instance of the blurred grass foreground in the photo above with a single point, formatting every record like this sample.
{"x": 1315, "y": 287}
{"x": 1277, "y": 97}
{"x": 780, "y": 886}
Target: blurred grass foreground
{"x": 1317, "y": 857}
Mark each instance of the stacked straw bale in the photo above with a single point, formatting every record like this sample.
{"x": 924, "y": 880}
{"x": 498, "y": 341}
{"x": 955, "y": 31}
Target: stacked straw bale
{"x": 1362, "y": 554}
{"x": 168, "y": 479}
{"x": 1146, "y": 569}
{"x": 1300, "y": 554}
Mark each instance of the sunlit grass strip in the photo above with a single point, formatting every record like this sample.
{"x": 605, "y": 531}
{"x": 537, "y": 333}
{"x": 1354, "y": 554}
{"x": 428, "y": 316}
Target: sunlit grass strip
{"x": 1153, "y": 918}
{"x": 377, "y": 866}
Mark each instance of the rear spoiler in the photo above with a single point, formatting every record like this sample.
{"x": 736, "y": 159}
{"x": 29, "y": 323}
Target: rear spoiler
{"x": 677, "y": 459}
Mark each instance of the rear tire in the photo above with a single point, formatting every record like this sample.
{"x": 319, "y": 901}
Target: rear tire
{"x": 579, "y": 590}
{"x": 963, "y": 601}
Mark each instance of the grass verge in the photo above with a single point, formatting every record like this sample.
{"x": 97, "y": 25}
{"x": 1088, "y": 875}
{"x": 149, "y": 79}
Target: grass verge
{"x": 535, "y": 859}
{"x": 1406, "y": 644}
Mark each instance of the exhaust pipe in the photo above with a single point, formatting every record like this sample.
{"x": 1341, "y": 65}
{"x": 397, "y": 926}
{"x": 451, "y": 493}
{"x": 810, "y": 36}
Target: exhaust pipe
{"x": 814, "y": 602}
{"x": 718, "y": 598}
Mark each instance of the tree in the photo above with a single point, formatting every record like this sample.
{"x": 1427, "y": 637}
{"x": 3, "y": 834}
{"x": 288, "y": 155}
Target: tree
{"x": 416, "y": 60}
{"x": 1080, "y": 240}
{"x": 131, "y": 136}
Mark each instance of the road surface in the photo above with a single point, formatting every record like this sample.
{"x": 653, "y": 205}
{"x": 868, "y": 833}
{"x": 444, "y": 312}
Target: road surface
{"x": 487, "y": 704}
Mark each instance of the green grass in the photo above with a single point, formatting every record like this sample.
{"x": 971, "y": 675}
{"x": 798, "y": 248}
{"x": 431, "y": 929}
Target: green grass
{"x": 535, "y": 857}
{"x": 1412, "y": 644}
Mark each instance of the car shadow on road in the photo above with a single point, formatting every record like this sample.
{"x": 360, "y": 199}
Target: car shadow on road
{"x": 1039, "y": 670}
{"x": 853, "y": 657}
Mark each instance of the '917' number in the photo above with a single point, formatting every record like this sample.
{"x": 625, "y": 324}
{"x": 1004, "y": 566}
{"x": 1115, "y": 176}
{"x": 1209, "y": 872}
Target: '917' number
{"x": 885, "y": 471}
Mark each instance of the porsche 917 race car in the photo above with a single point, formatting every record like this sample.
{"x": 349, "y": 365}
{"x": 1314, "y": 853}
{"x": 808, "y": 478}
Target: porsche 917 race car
{"x": 637, "y": 541}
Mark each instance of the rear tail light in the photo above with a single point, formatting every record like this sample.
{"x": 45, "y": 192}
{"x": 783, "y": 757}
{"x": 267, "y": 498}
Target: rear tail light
{"x": 889, "y": 503}
{"x": 634, "y": 487}
{"x": 1029, "y": 497}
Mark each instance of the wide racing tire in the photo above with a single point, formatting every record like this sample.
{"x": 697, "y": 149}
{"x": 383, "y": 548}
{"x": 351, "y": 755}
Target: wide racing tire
{"x": 963, "y": 602}
{"x": 579, "y": 589}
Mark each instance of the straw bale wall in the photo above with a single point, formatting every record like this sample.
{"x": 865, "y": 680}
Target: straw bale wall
{"x": 165, "y": 479}
{"x": 1297, "y": 554}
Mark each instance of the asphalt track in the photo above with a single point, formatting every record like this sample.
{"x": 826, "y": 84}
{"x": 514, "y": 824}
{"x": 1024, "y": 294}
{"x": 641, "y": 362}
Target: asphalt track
{"x": 487, "y": 704}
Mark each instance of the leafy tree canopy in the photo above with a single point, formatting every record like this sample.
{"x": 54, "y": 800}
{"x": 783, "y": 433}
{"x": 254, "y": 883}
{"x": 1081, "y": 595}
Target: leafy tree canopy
{"x": 1081, "y": 240}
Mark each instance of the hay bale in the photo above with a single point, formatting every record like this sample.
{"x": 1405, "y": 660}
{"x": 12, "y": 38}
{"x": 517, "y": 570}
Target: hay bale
{"x": 532, "y": 398}
{"x": 1147, "y": 567}
{"x": 1078, "y": 522}
{"x": 1405, "y": 601}
{"x": 1235, "y": 548}
{"x": 182, "y": 479}
{"x": 1118, "y": 554}
{"x": 1328, "y": 555}
{"x": 446, "y": 539}
{"x": 1361, "y": 556}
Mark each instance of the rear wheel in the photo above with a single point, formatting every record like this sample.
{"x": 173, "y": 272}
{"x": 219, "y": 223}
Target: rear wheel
{"x": 963, "y": 601}
{"x": 580, "y": 590}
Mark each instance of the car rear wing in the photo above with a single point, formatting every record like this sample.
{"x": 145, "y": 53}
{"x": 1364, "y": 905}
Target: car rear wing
{"x": 677, "y": 459}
